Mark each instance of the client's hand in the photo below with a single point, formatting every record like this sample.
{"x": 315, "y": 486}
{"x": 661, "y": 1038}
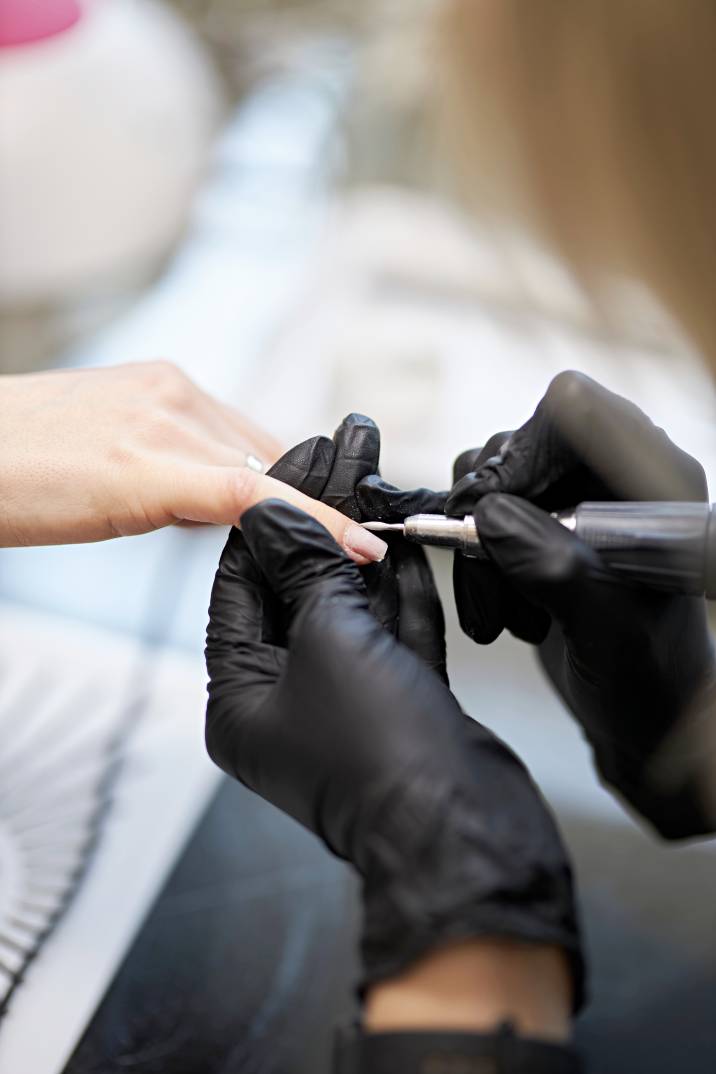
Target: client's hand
{"x": 317, "y": 708}
{"x": 92, "y": 454}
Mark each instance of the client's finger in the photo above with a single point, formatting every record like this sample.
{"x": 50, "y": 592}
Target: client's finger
{"x": 221, "y": 495}
{"x": 226, "y": 423}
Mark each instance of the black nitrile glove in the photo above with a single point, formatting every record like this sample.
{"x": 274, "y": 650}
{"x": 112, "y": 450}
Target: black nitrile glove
{"x": 479, "y": 586}
{"x": 316, "y": 707}
{"x": 452, "y": 1052}
{"x": 330, "y": 470}
{"x": 634, "y": 665}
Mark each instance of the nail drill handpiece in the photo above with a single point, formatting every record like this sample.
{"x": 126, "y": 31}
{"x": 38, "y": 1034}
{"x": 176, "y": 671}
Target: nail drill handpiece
{"x": 663, "y": 545}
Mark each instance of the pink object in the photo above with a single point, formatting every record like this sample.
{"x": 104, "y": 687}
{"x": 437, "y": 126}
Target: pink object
{"x": 24, "y": 21}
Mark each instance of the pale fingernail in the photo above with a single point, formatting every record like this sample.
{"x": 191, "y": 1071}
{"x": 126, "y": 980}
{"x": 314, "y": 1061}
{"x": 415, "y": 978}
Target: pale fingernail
{"x": 360, "y": 542}
{"x": 254, "y": 463}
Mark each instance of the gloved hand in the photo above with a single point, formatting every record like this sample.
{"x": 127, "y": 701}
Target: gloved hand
{"x": 330, "y": 471}
{"x": 316, "y": 707}
{"x": 634, "y": 665}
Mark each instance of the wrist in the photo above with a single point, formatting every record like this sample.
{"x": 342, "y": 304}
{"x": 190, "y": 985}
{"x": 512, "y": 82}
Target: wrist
{"x": 439, "y": 883}
{"x": 449, "y": 1051}
{"x": 477, "y": 985}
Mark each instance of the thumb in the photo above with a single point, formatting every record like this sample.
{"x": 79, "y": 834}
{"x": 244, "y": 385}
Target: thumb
{"x": 542, "y": 559}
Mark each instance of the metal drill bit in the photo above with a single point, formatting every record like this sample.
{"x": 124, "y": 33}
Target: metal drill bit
{"x": 381, "y": 527}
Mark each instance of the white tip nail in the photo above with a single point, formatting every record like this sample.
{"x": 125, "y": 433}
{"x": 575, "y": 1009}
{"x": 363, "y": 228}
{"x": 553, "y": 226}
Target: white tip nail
{"x": 361, "y": 542}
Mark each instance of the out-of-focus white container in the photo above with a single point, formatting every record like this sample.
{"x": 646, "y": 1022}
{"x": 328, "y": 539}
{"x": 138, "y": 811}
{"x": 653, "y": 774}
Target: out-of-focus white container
{"x": 108, "y": 110}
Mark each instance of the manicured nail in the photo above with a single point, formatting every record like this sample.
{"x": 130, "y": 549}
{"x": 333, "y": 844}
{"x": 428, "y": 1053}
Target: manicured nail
{"x": 363, "y": 544}
{"x": 255, "y": 464}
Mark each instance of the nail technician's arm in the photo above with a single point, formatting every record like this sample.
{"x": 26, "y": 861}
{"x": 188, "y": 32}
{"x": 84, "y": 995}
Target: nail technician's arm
{"x": 92, "y": 454}
{"x": 635, "y": 666}
{"x": 471, "y": 985}
{"x": 316, "y": 707}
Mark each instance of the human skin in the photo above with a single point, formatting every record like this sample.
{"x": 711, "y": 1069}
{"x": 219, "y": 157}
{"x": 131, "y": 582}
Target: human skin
{"x": 476, "y": 985}
{"x": 87, "y": 455}
{"x": 471, "y": 985}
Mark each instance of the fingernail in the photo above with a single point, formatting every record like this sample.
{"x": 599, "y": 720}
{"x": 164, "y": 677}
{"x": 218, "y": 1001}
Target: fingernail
{"x": 255, "y": 464}
{"x": 364, "y": 544}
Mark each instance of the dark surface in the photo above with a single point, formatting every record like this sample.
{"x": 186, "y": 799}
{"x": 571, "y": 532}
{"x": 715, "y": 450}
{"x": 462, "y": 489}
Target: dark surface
{"x": 650, "y": 915}
{"x": 243, "y": 964}
{"x": 247, "y": 957}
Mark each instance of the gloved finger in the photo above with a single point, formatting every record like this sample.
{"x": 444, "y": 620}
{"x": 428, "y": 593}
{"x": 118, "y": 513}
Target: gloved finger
{"x": 478, "y": 588}
{"x": 421, "y": 622}
{"x": 382, "y": 586}
{"x": 298, "y": 557}
{"x": 474, "y": 458}
{"x": 486, "y": 603}
{"x": 584, "y": 442}
{"x": 242, "y": 610}
{"x": 382, "y": 502}
{"x": 542, "y": 559}
{"x": 243, "y": 664}
{"x": 307, "y": 466}
{"x": 356, "y": 454}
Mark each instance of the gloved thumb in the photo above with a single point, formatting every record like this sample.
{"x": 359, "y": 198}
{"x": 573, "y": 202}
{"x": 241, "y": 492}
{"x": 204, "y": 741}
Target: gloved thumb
{"x": 539, "y": 556}
{"x": 298, "y": 556}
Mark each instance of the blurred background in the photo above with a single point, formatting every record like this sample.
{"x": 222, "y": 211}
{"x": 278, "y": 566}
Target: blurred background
{"x": 255, "y": 190}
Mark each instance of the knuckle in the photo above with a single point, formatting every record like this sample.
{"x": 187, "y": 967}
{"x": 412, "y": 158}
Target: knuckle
{"x": 158, "y": 369}
{"x": 160, "y": 430}
{"x": 569, "y": 389}
{"x": 696, "y": 479}
{"x": 123, "y": 454}
{"x": 562, "y": 566}
{"x": 169, "y": 383}
{"x": 496, "y": 443}
{"x": 475, "y": 458}
{"x": 465, "y": 463}
{"x": 242, "y": 487}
